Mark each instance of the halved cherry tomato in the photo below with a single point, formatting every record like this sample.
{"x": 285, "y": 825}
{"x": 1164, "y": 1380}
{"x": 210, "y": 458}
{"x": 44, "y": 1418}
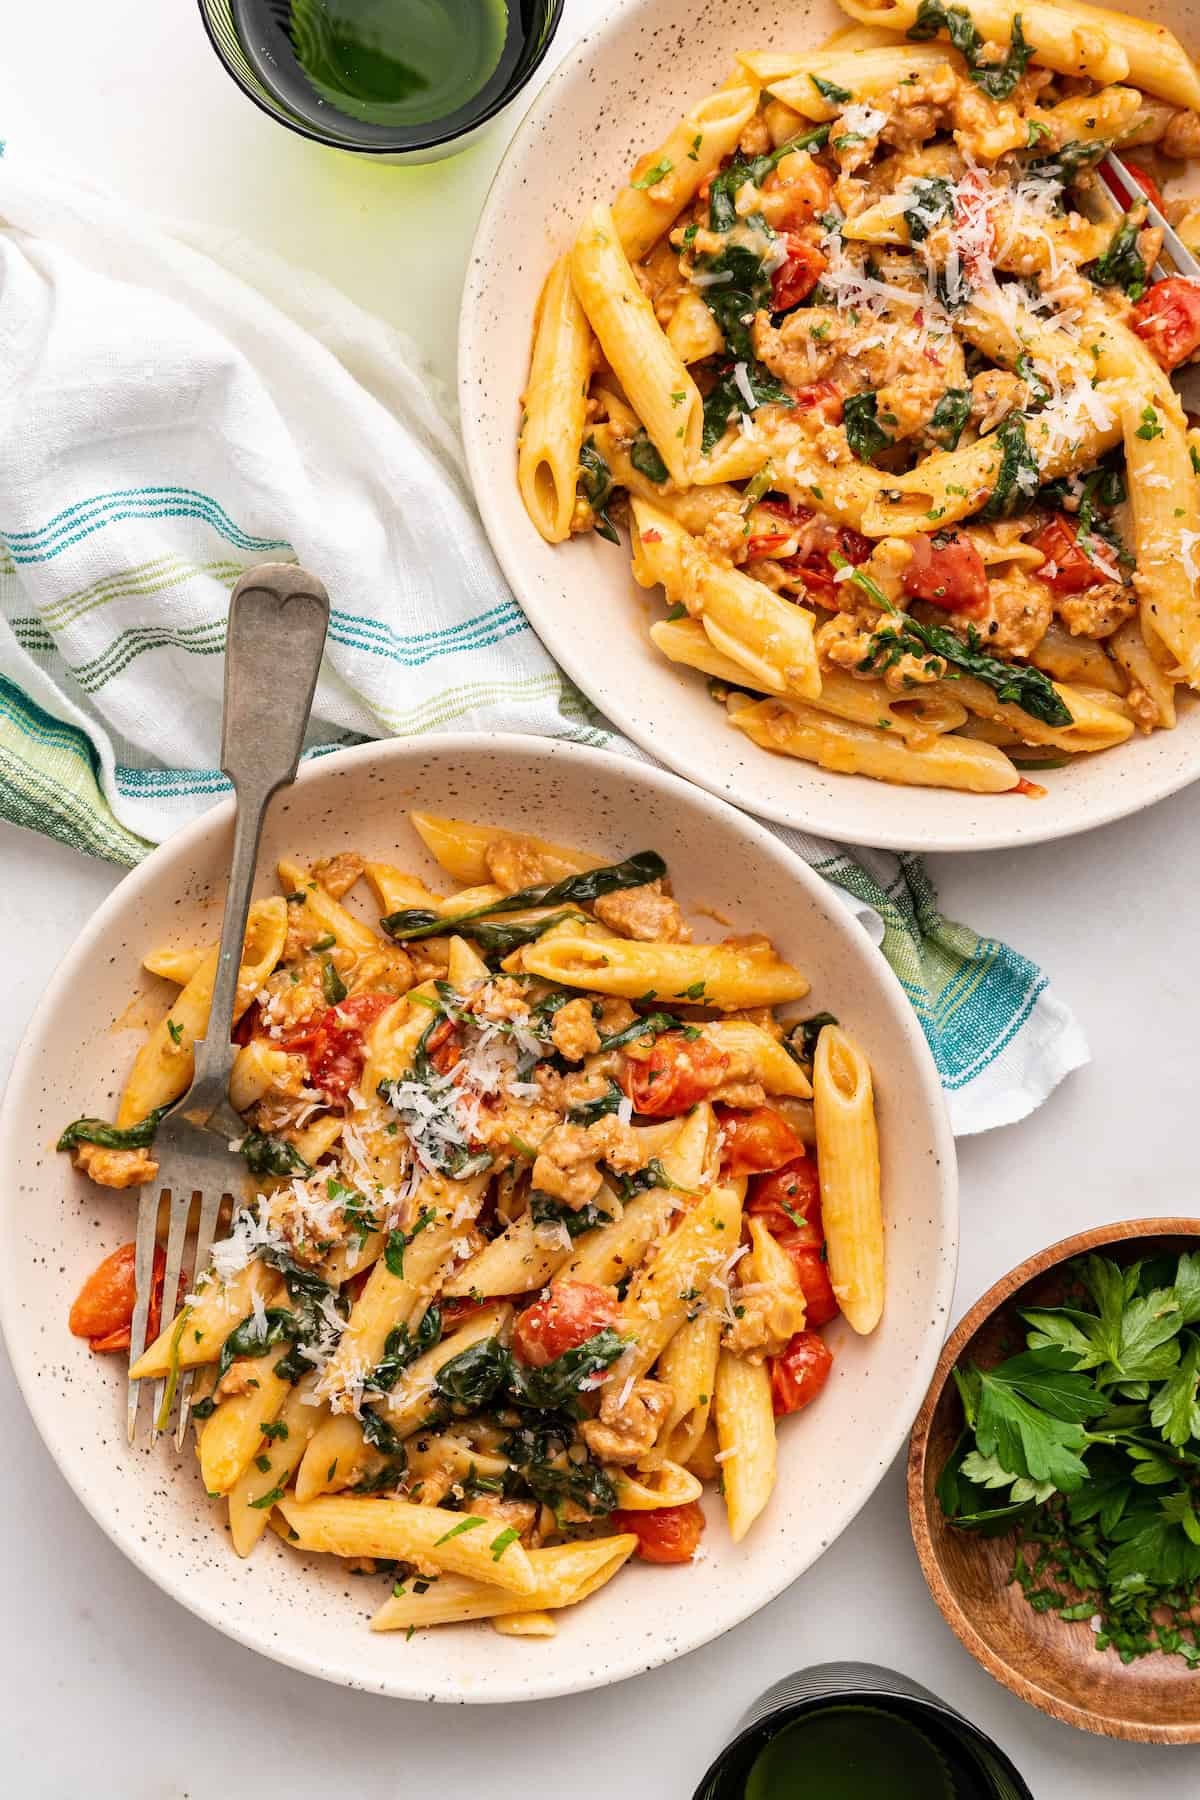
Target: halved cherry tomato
{"x": 1143, "y": 179}
{"x": 795, "y": 279}
{"x": 678, "y": 1072}
{"x": 823, "y": 397}
{"x": 788, "y": 1202}
{"x": 332, "y": 1040}
{"x": 571, "y": 1313}
{"x": 1066, "y": 569}
{"x": 444, "y": 1047}
{"x": 947, "y": 570}
{"x": 668, "y": 1534}
{"x": 799, "y": 1374}
{"x": 789, "y": 1199}
{"x": 812, "y": 1272}
{"x": 816, "y": 570}
{"x": 1167, "y": 319}
{"x": 103, "y": 1308}
{"x": 752, "y": 1142}
{"x": 791, "y": 518}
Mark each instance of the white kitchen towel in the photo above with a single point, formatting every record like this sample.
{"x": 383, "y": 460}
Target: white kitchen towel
{"x": 175, "y": 407}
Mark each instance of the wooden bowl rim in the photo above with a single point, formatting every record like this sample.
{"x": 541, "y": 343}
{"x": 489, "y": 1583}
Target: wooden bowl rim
{"x": 1123, "y": 1231}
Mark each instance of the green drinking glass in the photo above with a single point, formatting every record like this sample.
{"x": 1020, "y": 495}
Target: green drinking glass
{"x": 399, "y": 80}
{"x": 851, "y": 1731}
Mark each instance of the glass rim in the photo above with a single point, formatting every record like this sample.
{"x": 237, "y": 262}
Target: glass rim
{"x": 418, "y": 137}
{"x": 790, "y": 1710}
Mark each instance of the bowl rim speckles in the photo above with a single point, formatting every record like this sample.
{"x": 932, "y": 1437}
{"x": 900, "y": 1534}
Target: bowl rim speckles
{"x": 1071, "y": 1692}
{"x": 615, "y": 95}
{"x": 54, "y": 1227}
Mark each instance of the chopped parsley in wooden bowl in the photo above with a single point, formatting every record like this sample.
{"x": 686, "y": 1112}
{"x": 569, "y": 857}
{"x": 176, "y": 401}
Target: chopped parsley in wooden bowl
{"x": 1054, "y": 1481}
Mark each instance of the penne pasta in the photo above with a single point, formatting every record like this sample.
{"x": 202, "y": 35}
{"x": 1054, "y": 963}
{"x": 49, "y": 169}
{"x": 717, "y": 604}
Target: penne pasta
{"x": 848, "y": 1161}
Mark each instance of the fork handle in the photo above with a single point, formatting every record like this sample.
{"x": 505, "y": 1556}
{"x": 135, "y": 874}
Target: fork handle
{"x": 278, "y": 615}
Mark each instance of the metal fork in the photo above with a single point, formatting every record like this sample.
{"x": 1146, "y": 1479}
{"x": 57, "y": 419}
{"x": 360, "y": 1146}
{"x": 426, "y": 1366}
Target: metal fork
{"x": 278, "y": 614}
{"x": 1183, "y": 262}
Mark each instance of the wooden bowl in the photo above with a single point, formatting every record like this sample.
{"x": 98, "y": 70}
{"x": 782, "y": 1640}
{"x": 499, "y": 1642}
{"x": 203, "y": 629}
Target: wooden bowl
{"x": 1049, "y": 1662}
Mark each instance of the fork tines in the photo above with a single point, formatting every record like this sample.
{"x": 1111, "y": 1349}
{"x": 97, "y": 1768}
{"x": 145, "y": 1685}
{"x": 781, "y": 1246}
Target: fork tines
{"x": 1185, "y": 263}
{"x": 197, "y": 1171}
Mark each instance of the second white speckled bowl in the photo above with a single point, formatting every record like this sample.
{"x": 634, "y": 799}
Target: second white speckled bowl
{"x": 54, "y": 1226}
{"x": 614, "y": 97}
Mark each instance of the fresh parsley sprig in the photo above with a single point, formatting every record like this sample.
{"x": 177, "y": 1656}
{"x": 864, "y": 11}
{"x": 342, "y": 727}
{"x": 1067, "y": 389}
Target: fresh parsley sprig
{"x": 1086, "y": 1445}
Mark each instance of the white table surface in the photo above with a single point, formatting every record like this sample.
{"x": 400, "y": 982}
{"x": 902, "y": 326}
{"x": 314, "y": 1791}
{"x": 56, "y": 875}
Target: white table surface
{"x": 111, "y": 1691}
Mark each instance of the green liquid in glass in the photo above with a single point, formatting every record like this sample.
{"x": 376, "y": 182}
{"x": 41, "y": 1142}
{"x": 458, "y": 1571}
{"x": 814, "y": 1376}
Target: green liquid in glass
{"x": 850, "y": 1753}
{"x": 389, "y": 65}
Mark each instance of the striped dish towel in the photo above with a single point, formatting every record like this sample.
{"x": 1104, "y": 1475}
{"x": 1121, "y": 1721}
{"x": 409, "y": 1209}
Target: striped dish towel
{"x": 175, "y": 408}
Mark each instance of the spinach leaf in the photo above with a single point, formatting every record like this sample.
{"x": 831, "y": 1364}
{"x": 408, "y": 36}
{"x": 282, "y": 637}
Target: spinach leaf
{"x": 1121, "y": 265}
{"x": 473, "y": 1377}
{"x": 381, "y": 1436}
{"x": 829, "y": 90}
{"x": 1068, "y": 162}
{"x": 999, "y": 79}
{"x": 955, "y": 21}
{"x": 112, "y": 1137}
{"x": 332, "y": 985}
{"x": 996, "y": 79}
{"x": 557, "y": 1383}
{"x": 1017, "y": 476}
{"x": 809, "y": 1030}
{"x": 538, "y": 1453}
{"x": 590, "y": 1110}
{"x": 1027, "y": 688}
{"x": 596, "y": 485}
{"x": 865, "y": 431}
{"x": 930, "y": 200}
{"x": 650, "y": 1025}
{"x": 545, "y": 1210}
{"x": 398, "y": 1241}
{"x": 269, "y": 1155}
{"x": 255, "y": 1336}
{"x": 645, "y": 458}
{"x": 725, "y": 400}
{"x": 497, "y": 939}
{"x": 951, "y": 413}
{"x": 722, "y": 213}
{"x": 635, "y": 871}
{"x": 735, "y": 299}
{"x": 402, "y": 1348}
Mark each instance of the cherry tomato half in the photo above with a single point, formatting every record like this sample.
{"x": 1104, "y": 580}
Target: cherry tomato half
{"x": 946, "y": 570}
{"x": 668, "y": 1534}
{"x": 571, "y": 1313}
{"x": 799, "y": 1374}
{"x": 103, "y": 1308}
{"x": 678, "y": 1072}
{"x": 1143, "y": 179}
{"x": 795, "y": 279}
{"x": 756, "y": 1141}
{"x": 1167, "y": 319}
{"x": 332, "y": 1041}
{"x": 1067, "y": 570}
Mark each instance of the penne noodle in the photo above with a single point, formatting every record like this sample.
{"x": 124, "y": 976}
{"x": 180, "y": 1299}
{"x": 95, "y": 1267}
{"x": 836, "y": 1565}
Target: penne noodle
{"x": 745, "y": 1422}
{"x": 345, "y": 1526}
{"x": 848, "y": 1163}
{"x": 555, "y": 407}
{"x": 635, "y": 345}
{"x": 719, "y": 975}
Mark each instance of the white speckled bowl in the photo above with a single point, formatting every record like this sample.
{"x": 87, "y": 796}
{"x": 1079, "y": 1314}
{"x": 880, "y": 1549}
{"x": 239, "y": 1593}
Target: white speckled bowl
{"x": 54, "y": 1226}
{"x": 612, "y": 98}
